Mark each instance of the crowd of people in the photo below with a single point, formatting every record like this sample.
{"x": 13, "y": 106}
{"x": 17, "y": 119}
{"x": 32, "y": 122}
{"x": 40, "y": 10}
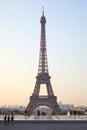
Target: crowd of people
{"x": 8, "y": 118}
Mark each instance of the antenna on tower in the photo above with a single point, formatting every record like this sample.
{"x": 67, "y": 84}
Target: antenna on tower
{"x": 42, "y": 10}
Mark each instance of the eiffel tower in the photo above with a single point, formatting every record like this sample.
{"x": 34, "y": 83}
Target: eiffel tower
{"x": 43, "y": 78}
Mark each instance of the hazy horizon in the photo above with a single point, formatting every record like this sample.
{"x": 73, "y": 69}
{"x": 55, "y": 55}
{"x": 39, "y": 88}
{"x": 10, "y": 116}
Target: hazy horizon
{"x": 66, "y": 39}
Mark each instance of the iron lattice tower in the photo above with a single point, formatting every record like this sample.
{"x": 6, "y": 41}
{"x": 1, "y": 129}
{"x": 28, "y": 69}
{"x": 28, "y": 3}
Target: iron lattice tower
{"x": 43, "y": 78}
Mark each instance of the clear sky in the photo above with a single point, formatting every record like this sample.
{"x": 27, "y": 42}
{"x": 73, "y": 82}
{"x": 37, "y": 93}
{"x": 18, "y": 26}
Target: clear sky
{"x": 66, "y": 38}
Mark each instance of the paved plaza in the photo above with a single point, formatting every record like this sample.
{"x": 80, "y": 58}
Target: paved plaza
{"x": 47, "y": 117}
{"x": 45, "y": 123}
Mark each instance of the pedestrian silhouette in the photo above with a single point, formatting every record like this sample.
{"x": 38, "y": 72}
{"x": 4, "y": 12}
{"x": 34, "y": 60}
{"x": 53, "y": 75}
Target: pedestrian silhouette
{"x": 5, "y": 118}
{"x": 38, "y": 113}
{"x": 12, "y": 117}
{"x": 8, "y": 118}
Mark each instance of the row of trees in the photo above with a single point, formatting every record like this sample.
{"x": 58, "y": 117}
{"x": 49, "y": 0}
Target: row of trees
{"x": 63, "y": 112}
{"x": 16, "y": 112}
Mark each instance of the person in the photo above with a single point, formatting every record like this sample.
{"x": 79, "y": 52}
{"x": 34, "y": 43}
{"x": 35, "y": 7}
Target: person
{"x": 8, "y": 118}
{"x": 5, "y": 118}
{"x": 12, "y": 117}
{"x": 38, "y": 113}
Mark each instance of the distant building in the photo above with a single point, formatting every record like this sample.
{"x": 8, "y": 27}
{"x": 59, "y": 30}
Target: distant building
{"x": 66, "y": 106}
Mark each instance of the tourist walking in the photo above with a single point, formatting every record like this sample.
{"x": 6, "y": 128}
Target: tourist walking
{"x": 8, "y": 118}
{"x": 38, "y": 112}
{"x": 12, "y": 117}
{"x": 5, "y": 119}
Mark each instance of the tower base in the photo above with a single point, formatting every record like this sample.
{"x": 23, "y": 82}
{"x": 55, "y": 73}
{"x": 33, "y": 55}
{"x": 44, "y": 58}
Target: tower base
{"x": 37, "y": 101}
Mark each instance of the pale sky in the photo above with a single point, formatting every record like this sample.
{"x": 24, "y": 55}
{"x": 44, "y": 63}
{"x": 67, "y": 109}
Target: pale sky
{"x": 66, "y": 38}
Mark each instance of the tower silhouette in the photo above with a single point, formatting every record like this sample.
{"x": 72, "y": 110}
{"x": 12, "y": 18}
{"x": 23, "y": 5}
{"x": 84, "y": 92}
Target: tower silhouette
{"x": 43, "y": 77}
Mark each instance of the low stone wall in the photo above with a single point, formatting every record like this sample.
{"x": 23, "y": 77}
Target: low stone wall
{"x": 44, "y": 125}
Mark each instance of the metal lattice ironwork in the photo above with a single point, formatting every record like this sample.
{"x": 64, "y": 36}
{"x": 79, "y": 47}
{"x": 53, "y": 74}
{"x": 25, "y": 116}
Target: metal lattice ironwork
{"x": 43, "y": 78}
{"x": 43, "y": 65}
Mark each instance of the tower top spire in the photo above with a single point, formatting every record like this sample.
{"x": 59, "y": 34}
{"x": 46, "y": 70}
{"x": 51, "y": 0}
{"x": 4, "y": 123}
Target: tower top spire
{"x": 43, "y": 19}
{"x": 42, "y": 10}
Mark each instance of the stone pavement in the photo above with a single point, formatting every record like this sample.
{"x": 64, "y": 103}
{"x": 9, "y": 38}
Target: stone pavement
{"x": 44, "y": 125}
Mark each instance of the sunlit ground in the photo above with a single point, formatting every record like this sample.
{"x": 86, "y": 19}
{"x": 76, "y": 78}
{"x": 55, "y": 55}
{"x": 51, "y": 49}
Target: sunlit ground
{"x": 48, "y": 117}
